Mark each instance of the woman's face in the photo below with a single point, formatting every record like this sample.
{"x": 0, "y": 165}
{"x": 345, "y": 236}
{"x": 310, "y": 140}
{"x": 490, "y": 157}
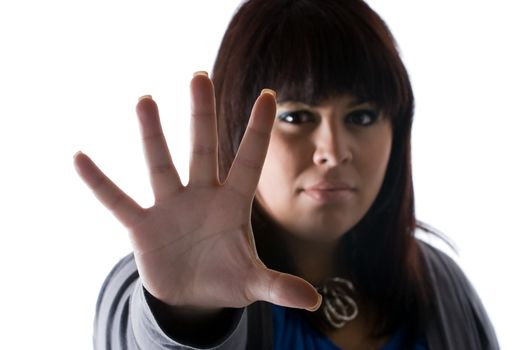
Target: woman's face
{"x": 325, "y": 166}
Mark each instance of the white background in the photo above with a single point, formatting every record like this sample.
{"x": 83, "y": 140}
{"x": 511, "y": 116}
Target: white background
{"x": 70, "y": 75}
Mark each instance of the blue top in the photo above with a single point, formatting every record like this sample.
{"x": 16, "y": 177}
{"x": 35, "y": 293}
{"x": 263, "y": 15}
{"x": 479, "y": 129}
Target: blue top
{"x": 292, "y": 332}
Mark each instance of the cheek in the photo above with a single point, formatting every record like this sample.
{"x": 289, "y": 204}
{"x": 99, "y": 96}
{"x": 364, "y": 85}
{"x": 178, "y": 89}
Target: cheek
{"x": 375, "y": 156}
{"x": 382, "y": 154}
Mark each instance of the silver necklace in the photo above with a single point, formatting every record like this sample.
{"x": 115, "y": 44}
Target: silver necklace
{"x": 338, "y": 307}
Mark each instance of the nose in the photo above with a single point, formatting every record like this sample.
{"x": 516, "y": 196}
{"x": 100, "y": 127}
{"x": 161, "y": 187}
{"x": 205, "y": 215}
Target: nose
{"x": 332, "y": 145}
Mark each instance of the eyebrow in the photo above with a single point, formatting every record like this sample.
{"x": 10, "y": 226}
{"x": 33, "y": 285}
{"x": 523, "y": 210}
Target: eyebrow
{"x": 352, "y": 103}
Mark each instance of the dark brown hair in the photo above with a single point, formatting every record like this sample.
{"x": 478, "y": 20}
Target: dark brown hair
{"x": 308, "y": 50}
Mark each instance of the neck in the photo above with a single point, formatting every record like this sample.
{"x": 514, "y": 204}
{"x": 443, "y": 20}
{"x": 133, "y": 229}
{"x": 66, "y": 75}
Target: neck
{"x": 314, "y": 260}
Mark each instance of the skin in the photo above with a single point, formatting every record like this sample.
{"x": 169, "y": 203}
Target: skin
{"x": 194, "y": 248}
{"x": 324, "y": 168}
{"x": 343, "y": 144}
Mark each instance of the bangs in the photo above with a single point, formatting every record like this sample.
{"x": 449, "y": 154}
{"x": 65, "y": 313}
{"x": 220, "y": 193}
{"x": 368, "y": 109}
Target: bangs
{"x": 308, "y": 51}
{"x": 313, "y": 50}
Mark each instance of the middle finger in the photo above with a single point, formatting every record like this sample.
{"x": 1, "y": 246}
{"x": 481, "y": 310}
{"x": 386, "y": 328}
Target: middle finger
{"x": 203, "y": 163}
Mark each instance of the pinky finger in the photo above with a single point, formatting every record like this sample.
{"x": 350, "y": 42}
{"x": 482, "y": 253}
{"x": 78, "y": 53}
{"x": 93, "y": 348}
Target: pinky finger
{"x": 127, "y": 211}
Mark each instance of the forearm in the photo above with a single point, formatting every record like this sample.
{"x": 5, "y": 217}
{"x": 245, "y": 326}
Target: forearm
{"x": 191, "y": 327}
{"x": 126, "y": 319}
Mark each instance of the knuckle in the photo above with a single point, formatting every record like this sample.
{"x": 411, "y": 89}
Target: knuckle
{"x": 152, "y": 137}
{"x": 117, "y": 202}
{"x": 203, "y": 114}
{"x": 98, "y": 183}
{"x": 203, "y": 150}
{"x": 236, "y": 191}
{"x": 161, "y": 169}
{"x": 138, "y": 220}
{"x": 259, "y": 134}
{"x": 249, "y": 164}
{"x": 251, "y": 290}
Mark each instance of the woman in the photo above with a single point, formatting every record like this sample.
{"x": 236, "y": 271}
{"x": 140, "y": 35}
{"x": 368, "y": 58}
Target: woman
{"x": 318, "y": 178}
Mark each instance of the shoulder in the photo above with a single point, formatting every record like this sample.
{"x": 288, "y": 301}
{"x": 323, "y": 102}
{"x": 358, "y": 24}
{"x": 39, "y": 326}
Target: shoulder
{"x": 439, "y": 264}
{"x": 459, "y": 317}
{"x": 448, "y": 282}
{"x": 445, "y": 275}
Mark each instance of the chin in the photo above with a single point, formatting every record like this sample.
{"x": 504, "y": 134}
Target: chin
{"x": 323, "y": 234}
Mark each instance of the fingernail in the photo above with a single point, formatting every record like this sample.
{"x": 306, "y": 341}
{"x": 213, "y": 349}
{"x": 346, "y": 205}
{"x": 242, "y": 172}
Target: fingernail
{"x": 316, "y": 306}
{"x": 76, "y": 154}
{"x": 269, "y": 91}
{"x": 200, "y": 72}
{"x": 144, "y": 97}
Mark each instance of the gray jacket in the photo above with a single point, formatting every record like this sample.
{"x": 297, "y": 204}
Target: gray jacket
{"x": 124, "y": 317}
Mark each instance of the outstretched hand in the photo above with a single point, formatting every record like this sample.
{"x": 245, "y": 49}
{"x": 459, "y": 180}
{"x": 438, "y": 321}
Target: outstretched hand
{"x": 194, "y": 247}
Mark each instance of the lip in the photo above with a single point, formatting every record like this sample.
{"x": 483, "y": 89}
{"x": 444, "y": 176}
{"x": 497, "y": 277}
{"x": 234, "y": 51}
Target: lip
{"x": 330, "y": 186}
{"x": 329, "y": 191}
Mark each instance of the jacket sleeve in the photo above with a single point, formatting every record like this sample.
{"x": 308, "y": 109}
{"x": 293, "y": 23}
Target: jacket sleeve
{"x": 124, "y": 319}
{"x": 460, "y": 320}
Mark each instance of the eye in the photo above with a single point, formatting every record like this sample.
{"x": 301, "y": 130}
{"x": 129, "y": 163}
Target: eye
{"x": 362, "y": 117}
{"x": 296, "y": 117}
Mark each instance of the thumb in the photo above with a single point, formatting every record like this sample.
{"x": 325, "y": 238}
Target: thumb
{"x": 283, "y": 289}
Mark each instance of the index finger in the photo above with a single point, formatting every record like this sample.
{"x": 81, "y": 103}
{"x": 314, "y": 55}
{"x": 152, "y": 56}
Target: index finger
{"x": 127, "y": 211}
{"x": 247, "y": 166}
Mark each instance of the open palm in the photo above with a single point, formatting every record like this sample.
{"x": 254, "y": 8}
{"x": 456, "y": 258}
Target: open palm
{"x": 194, "y": 247}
